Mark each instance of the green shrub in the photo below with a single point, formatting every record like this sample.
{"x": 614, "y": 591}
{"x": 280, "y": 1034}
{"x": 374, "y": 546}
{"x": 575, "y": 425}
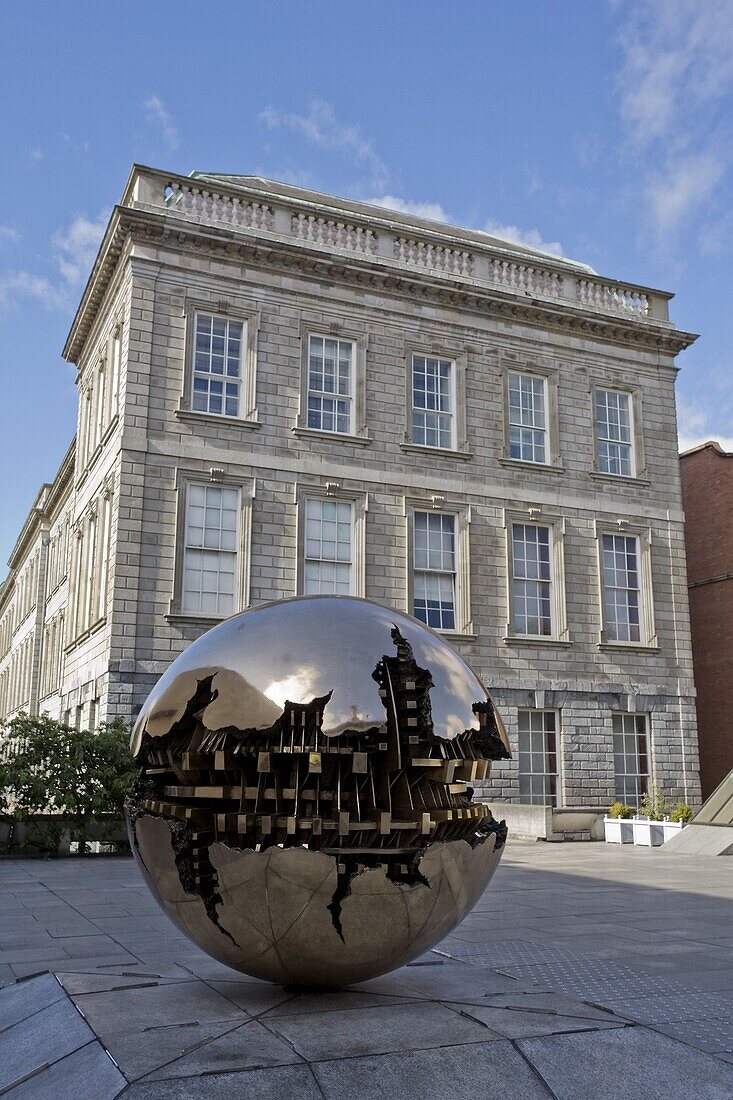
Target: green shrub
{"x": 681, "y": 812}
{"x": 620, "y": 809}
{"x": 653, "y": 804}
{"x": 80, "y": 776}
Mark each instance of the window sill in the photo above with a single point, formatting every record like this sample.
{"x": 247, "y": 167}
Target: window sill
{"x": 630, "y": 647}
{"x": 215, "y": 418}
{"x": 444, "y": 452}
{"x": 522, "y": 464}
{"x": 81, "y": 638}
{"x": 623, "y": 479}
{"x": 330, "y": 437}
{"x": 454, "y": 635}
{"x": 179, "y": 618}
{"x": 528, "y": 640}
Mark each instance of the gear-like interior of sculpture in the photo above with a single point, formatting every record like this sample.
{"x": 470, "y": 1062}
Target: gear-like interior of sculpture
{"x": 369, "y": 797}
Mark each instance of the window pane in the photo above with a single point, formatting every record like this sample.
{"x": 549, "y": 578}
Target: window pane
{"x": 630, "y": 753}
{"x": 621, "y": 588}
{"x": 210, "y": 552}
{"x": 328, "y": 547}
{"x": 613, "y": 432}
{"x": 330, "y": 384}
{"x": 532, "y": 580}
{"x": 434, "y": 569}
{"x": 527, "y": 417}
{"x": 218, "y": 344}
{"x": 537, "y": 758}
{"x": 432, "y": 402}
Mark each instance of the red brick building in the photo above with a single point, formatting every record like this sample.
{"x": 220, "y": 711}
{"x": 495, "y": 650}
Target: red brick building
{"x": 707, "y": 498}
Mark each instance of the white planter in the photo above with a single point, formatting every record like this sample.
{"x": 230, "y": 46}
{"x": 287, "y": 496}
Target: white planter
{"x": 671, "y": 828}
{"x": 648, "y": 833}
{"x": 618, "y": 830}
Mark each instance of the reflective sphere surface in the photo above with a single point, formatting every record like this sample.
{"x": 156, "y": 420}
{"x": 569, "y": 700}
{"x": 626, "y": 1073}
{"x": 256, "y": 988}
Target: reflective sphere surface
{"x": 304, "y": 811}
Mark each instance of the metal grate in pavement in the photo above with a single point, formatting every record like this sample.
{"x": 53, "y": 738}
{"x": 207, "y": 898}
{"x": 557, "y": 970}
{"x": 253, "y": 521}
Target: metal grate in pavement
{"x": 699, "y": 1018}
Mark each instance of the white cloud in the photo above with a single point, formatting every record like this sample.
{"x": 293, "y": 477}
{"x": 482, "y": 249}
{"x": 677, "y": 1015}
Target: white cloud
{"x": 676, "y": 72}
{"x": 159, "y": 114}
{"x": 321, "y": 127}
{"x": 695, "y": 425}
{"x": 431, "y": 210}
{"x": 435, "y": 212}
{"x": 688, "y": 183}
{"x": 15, "y": 285}
{"x": 7, "y": 233}
{"x": 677, "y": 56}
{"x": 530, "y": 237}
{"x": 76, "y": 247}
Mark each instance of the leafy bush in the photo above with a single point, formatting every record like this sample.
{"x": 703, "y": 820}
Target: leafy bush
{"x": 653, "y": 804}
{"x": 620, "y": 809}
{"x": 681, "y": 812}
{"x": 80, "y": 776}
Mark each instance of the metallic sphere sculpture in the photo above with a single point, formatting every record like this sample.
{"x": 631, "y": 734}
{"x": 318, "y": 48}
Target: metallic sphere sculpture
{"x": 303, "y": 812}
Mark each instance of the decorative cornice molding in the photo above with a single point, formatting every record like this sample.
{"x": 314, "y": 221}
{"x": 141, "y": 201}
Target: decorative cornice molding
{"x": 146, "y": 227}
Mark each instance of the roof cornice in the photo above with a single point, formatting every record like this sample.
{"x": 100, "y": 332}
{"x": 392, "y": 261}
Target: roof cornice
{"x": 143, "y": 214}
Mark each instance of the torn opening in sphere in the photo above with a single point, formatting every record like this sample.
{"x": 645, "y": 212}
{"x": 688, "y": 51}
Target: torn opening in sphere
{"x": 304, "y": 811}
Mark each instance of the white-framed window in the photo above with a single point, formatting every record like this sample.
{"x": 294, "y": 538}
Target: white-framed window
{"x": 614, "y": 432}
{"x": 621, "y": 581}
{"x": 330, "y": 384}
{"x": 435, "y": 568}
{"x": 538, "y": 756}
{"x": 113, "y": 388}
{"x": 631, "y": 757}
{"x": 433, "y": 400}
{"x": 528, "y": 417}
{"x": 218, "y": 358}
{"x": 328, "y": 547}
{"x": 532, "y": 580}
{"x": 210, "y": 552}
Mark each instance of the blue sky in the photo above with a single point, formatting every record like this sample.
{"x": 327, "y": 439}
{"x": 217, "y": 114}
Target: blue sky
{"x": 603, "y": 130}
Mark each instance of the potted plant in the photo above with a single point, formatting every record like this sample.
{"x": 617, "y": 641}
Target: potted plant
{"x": 648, "y": 824}
{"x": 617, "y": 824}
{"x": 678, "y": 818}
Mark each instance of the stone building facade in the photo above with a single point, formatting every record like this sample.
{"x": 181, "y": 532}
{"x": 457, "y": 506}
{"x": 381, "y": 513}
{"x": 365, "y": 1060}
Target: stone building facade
{"x": 707, "y": 496}
{"x": 284, "y": 392}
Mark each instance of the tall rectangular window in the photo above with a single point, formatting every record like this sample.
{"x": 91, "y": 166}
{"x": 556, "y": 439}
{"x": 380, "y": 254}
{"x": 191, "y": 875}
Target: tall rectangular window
{"x": 330, "y": 384}
{"x": 538, "y": 757}
{"x": 434, "y": 569}
{"x": 527, "y": 417}
{"x": 614, "y": 433}
{"x": 532, "y": 580}
{"x": 217, "y": 365}
{"x": 328, "y": 558}
{"x": 630, "y": 757}
{"x": 432, "y": 402}
{"x": 210, "y": 551}
{"x": 621, "y": 588}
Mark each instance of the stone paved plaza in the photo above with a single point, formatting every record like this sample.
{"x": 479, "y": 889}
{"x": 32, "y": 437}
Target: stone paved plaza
{"x": 586, "y": 972}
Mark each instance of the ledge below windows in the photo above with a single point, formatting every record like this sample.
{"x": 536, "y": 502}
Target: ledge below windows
{"x": 178, "y": 618}
{"x": 522, "y": 464}
{"x": 330, "y": 437}
{"x": 527, "y": 640}
{"x": 622, "y": 479}
{"x": 455, "y": 636}
{"x": 629, "y": 647}
{"x": 215, "y": 418}
{"x": 444, "y": 452}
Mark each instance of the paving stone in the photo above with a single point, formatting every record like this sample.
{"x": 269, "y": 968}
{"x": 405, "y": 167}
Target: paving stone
{"x": 377, "y": 1030}
{"x": 40, "y": 1040}
{"x": 262, "y": 1084}
{"x": 632, "y": 1061}
{"x": 23, "y": 999}
{"x": 250, "y": 1046}
{"x": 516, "y": 1023}
{"x": 131, "y": 1010}
{"x": 90, "y": 1068}
{"x": 490, "y": 1071}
